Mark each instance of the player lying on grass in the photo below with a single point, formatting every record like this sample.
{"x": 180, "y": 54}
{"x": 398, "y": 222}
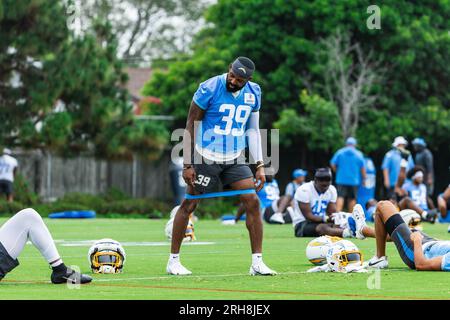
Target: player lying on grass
{"x": 28, "y": 225}
{"x": 417, "y": 250}
{"x": 315, "y": 211}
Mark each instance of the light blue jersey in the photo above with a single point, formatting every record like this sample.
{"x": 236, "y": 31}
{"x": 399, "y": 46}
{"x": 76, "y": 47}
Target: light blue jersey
{"x": 222, "y": 130}
{"x": 439, "y": 249}
{"x": 418, "y": 194}
{"x": 269, "y": 193}
{"x": 391, "y": 162}
{"x": 349, "y": 162}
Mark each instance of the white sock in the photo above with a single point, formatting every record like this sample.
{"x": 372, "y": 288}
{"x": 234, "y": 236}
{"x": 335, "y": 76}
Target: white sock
{"x": 424, "y": 214}
{"x": 256, "y": 258}
{"x": 56, "y": 263}
{"x": 174, "y": 258}
{"x": 347, "y": 233}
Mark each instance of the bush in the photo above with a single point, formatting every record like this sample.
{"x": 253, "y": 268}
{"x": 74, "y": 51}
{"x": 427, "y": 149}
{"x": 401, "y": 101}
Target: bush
{"x": 23, "y": 193}
{"x": 114, "y": 194}
{"x": 88, "y": 200}
{"x": 214, "y": 208}
{"x": 151, "y": 207}
{"x": 11, "y": 208}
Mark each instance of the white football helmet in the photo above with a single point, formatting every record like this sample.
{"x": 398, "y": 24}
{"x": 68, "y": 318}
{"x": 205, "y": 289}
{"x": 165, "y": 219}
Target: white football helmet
{"x": 106, "y": 256}
{"x": 411, "y": 218}
{"x": 317, "y": 249}
{"x": 344, "y": 256}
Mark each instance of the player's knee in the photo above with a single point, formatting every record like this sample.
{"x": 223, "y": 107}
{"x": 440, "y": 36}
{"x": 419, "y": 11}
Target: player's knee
{"x": 251, "y": 203}
{"x": 29, "y": 214}
{"x": 188, "y": 206}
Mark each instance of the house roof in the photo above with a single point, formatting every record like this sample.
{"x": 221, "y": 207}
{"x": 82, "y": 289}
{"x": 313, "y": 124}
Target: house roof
{"x": 137, "y": 79}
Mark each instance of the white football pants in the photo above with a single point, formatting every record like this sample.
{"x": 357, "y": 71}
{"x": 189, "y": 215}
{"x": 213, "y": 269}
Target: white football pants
{"x": 28, "y": 225}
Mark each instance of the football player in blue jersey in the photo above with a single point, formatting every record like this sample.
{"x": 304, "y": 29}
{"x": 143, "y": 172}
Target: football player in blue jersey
{"x": 223, "y": 117}
{"x": 417, "y": 250}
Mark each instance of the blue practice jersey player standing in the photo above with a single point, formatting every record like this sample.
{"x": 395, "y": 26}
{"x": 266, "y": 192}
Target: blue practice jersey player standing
{"x": 223, "y": 115}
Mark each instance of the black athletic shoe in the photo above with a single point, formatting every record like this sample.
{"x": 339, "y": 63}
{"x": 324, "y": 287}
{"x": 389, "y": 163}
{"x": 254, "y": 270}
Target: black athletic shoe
{"x": 70, "y": 276}
{"x": 431, "y": 216}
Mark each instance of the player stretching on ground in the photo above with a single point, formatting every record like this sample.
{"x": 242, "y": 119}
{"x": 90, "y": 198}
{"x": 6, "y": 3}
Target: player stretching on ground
{"x": 222, "y": 110}
{"x": 417, "y": 250}
{"x": 28, "y": 225}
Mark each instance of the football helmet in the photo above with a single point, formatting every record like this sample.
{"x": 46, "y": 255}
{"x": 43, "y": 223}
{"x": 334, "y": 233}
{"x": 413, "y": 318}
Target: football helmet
{"x": 344, "y": 256}
{"x": 317, "y": 249}
{"x": 411, "y": 218}
{"x": 106, "y": 256}
{"x": 189, "y": 233}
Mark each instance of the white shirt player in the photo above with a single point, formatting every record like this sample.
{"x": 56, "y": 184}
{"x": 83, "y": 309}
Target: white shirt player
{"x": 7, "y": 166}
{"x": 307, "y": 193}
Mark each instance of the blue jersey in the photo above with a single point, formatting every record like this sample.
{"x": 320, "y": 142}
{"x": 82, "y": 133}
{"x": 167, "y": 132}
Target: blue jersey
{"x": 440, "y": 249}
{"x": 269, "y": 193}
{"x": 222, "y": 130}
{"x": 349, "y": 162}
{"x": 391, "y": 162}
{"x": 418, "y": 194}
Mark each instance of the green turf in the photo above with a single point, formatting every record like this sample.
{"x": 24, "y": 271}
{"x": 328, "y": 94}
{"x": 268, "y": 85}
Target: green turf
{"x": 220, "y": 271}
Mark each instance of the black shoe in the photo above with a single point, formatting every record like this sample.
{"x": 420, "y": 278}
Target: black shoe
{"x": 70, "y": 276}
{"x": 431, "y": 216}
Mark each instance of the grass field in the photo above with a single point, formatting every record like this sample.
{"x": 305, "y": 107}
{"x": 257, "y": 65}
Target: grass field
{"x": 220, "y": 267}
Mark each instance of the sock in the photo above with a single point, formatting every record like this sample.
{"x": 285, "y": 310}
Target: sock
{"x": 256, "y": 258}
{"x": 174, "y": 257}
{"x": 424, "y": 214}
{"x": 60, "y": 268}
{"x": 347, "y": 233}
{"x": 56, "y": 263}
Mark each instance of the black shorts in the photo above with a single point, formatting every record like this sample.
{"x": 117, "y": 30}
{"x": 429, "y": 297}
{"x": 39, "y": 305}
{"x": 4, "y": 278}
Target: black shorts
{"x": 307, "y": 229}
{"x": 6, "y": 187}
{"x": 349, "y": 192}
{"x": 401, "y": 236}
{"x": 7, "y": 263}
{"x": 211, "y": 176}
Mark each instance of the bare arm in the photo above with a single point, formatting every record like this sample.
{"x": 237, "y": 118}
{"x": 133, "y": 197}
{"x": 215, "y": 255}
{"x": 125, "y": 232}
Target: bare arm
{"x": 195, "y": 115}
{"x": 386, "y": 178}
{"x": 442, "y": 202}
{"x": 284, "y": 202}
{"x": 333, "y": 167}
{"x": 306, "y": 211}
{"x": 363, "y": 173}
{"x": 331, "y": 208}
{"x": 422, "y": 263}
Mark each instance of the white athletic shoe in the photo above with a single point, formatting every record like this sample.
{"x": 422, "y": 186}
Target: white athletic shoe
{"x": 261, "y": 269}
{"x": 360, "y": 220}
{"x": 378, "y": 262}
{"x": 177, "y": 269}
{"x": 277, "y": 217}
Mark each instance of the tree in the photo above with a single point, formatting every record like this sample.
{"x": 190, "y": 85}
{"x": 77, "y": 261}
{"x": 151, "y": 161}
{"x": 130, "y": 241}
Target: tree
{"x": 283, "y": 39}
{"x": 146, "y": 29}
{"x": 64, "y": 92}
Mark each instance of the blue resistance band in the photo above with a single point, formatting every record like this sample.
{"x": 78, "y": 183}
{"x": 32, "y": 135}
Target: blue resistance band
{"x": 219, "y": 194}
